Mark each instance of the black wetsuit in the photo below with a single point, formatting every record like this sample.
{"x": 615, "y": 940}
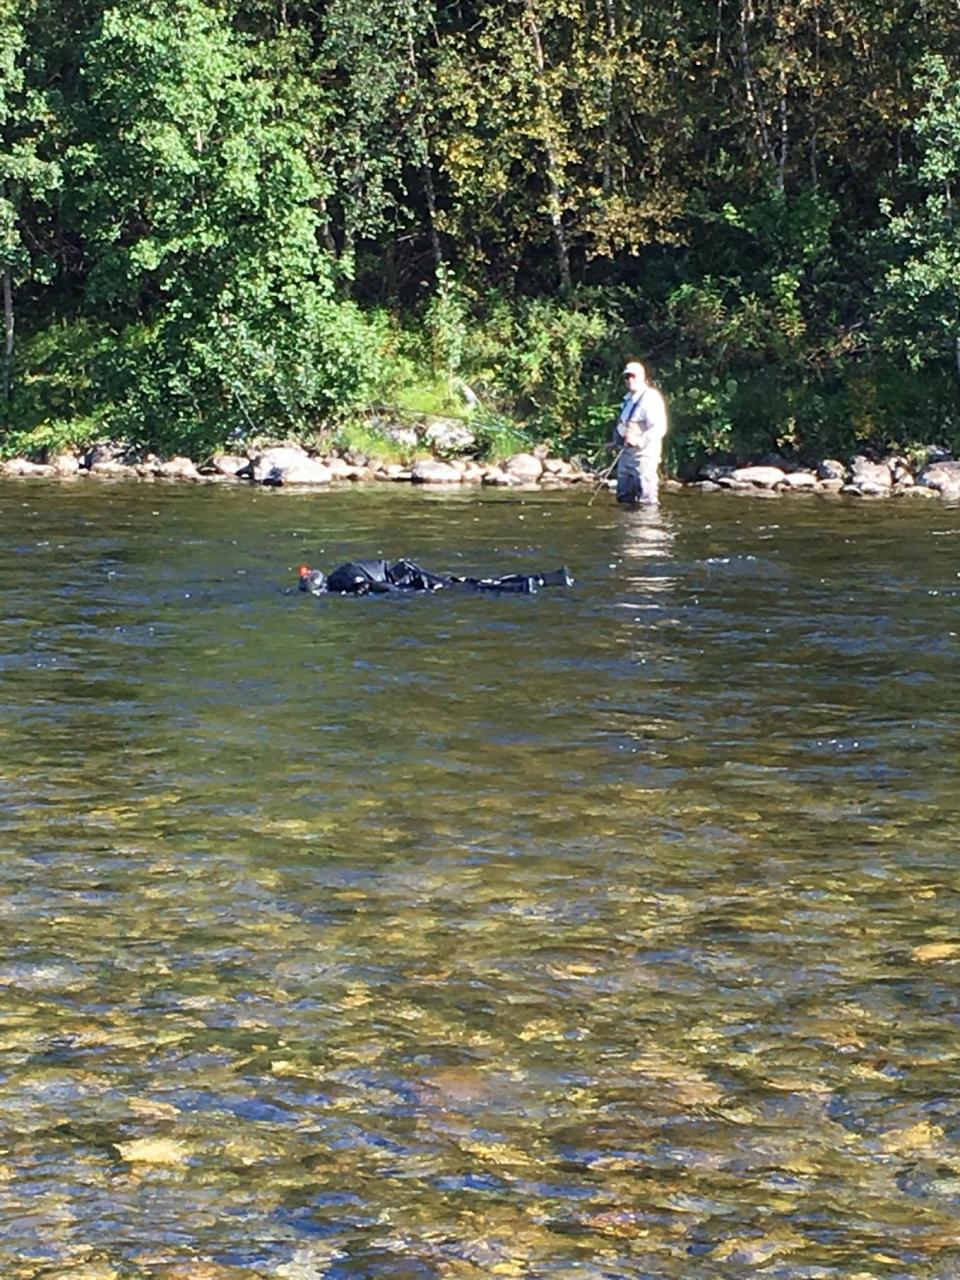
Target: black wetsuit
{"x": 363, "y": 577}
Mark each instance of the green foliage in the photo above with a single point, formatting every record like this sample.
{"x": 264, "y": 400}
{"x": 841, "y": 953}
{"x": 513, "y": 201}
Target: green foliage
{"x": 760, "y": 203}
{"x": 919, "y": 297}
{"x": 536, "y": 355}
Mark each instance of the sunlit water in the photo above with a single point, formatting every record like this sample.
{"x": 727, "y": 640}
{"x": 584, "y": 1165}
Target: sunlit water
{"x": 609, "y": 932}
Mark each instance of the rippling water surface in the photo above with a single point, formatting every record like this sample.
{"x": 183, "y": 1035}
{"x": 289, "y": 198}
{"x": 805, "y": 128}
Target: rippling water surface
{"x": 610, "y": 932}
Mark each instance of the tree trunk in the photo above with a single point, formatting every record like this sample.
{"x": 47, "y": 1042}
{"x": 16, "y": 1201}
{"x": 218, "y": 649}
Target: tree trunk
{"x": 612, "y": 53}
{"x": 8, "y": 324}
{"x": 751, "y": 88}
{"x": 426, "y": 173}
{"x": 784, "y": 137}
{"x": 554, "y": 201}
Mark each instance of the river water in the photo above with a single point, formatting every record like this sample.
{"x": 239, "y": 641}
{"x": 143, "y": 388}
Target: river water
{"x": 607, "y": 932}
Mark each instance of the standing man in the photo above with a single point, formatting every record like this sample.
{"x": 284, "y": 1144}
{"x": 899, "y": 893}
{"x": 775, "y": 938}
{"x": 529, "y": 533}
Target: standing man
{"x": 638, "y": 434}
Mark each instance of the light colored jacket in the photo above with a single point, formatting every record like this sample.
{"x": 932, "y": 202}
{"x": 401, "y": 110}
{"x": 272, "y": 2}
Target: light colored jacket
{"x": 642, "y": 423}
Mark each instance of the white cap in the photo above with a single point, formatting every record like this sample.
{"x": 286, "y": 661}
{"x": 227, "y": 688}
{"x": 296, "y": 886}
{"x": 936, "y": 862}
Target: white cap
{"x": 634, "y": 366}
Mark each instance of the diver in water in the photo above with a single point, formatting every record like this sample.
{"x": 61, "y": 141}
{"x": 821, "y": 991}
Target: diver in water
{"x": 366, "y": 577}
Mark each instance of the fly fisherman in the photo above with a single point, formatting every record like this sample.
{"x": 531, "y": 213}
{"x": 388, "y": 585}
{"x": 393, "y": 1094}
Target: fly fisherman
{"x": 638, "y": 434}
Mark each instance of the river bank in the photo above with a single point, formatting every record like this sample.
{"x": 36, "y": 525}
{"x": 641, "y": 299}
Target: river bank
{"x": 291, "y": 465}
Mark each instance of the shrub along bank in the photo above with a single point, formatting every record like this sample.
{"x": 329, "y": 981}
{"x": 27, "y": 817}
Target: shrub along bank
{"x": 222, "y": 220}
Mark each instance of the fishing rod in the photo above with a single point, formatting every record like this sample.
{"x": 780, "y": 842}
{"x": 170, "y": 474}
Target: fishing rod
{"x": 605, "y": 476}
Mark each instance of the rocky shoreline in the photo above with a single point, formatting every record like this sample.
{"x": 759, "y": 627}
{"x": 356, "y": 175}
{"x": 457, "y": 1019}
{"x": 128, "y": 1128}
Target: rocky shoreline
{"x": 294, "y": 466}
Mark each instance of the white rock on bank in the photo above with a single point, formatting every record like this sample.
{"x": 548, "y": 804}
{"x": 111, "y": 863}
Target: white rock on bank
{"x": 942, "y": 477}
{"x": 498, "y": 477}
{"x": 179, "y": 469}
{"x": 24, "y": 467}
{"x": 760, "y": 477}
{"x": 430, "y": 471}
{"x": 230, "y": 464}
{"x": 306, "y": 471}
{"x": 873, "y": 479}
{"x": 799, "y": 480}
{"x": 269, "y": 466}
{"x": 65, "y": 464}
{"x": 524, "y": 466}
{"x": 448, "y": 435}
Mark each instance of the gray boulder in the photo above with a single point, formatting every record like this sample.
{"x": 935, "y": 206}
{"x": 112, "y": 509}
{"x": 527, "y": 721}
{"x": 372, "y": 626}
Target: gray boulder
{"x": 231, "y": 464}
{"x": 799, "y": 480}
{"x": 446, "y": 435}
{"x": 871, "y": 478}
{"x": 430, "y": 471}
{"x": 178, "y": 469}
{"x": 24, "y": 467}
{"x": 306, "y": 471}
{"x": 831, "y": 469}
{"x": 762, "y": 477}
{"x": 943, "y": 477}
{"x": 65, "y": 464}
{"x": 272, "y": 466}
{"x": 524, "y": 466}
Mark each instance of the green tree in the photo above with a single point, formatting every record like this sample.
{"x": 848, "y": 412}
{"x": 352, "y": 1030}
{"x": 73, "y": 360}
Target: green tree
{"x": 25, "y": 176}
{"x": 920, "y": 310}
{"x": 192, "y": 190}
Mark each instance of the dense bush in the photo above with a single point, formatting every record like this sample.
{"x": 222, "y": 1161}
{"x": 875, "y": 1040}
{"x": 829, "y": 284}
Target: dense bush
{"x": 224, "y": 216}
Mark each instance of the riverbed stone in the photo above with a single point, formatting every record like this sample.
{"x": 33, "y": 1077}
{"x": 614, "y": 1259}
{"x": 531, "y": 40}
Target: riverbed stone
{"x": 943, "y": 477}
{"x": 762, "y": 477}
{"x": 832, "y": 484}
{"x": 524, "y": 466}
{"x": 432, "y": 471}
{"x": 873, "y": 479}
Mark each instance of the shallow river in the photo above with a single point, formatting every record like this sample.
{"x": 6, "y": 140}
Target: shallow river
{"x": 607, "y": 932}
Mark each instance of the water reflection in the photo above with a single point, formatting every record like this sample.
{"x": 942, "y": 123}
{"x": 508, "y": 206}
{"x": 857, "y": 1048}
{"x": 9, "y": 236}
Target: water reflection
{"x": 604, "y": 933}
